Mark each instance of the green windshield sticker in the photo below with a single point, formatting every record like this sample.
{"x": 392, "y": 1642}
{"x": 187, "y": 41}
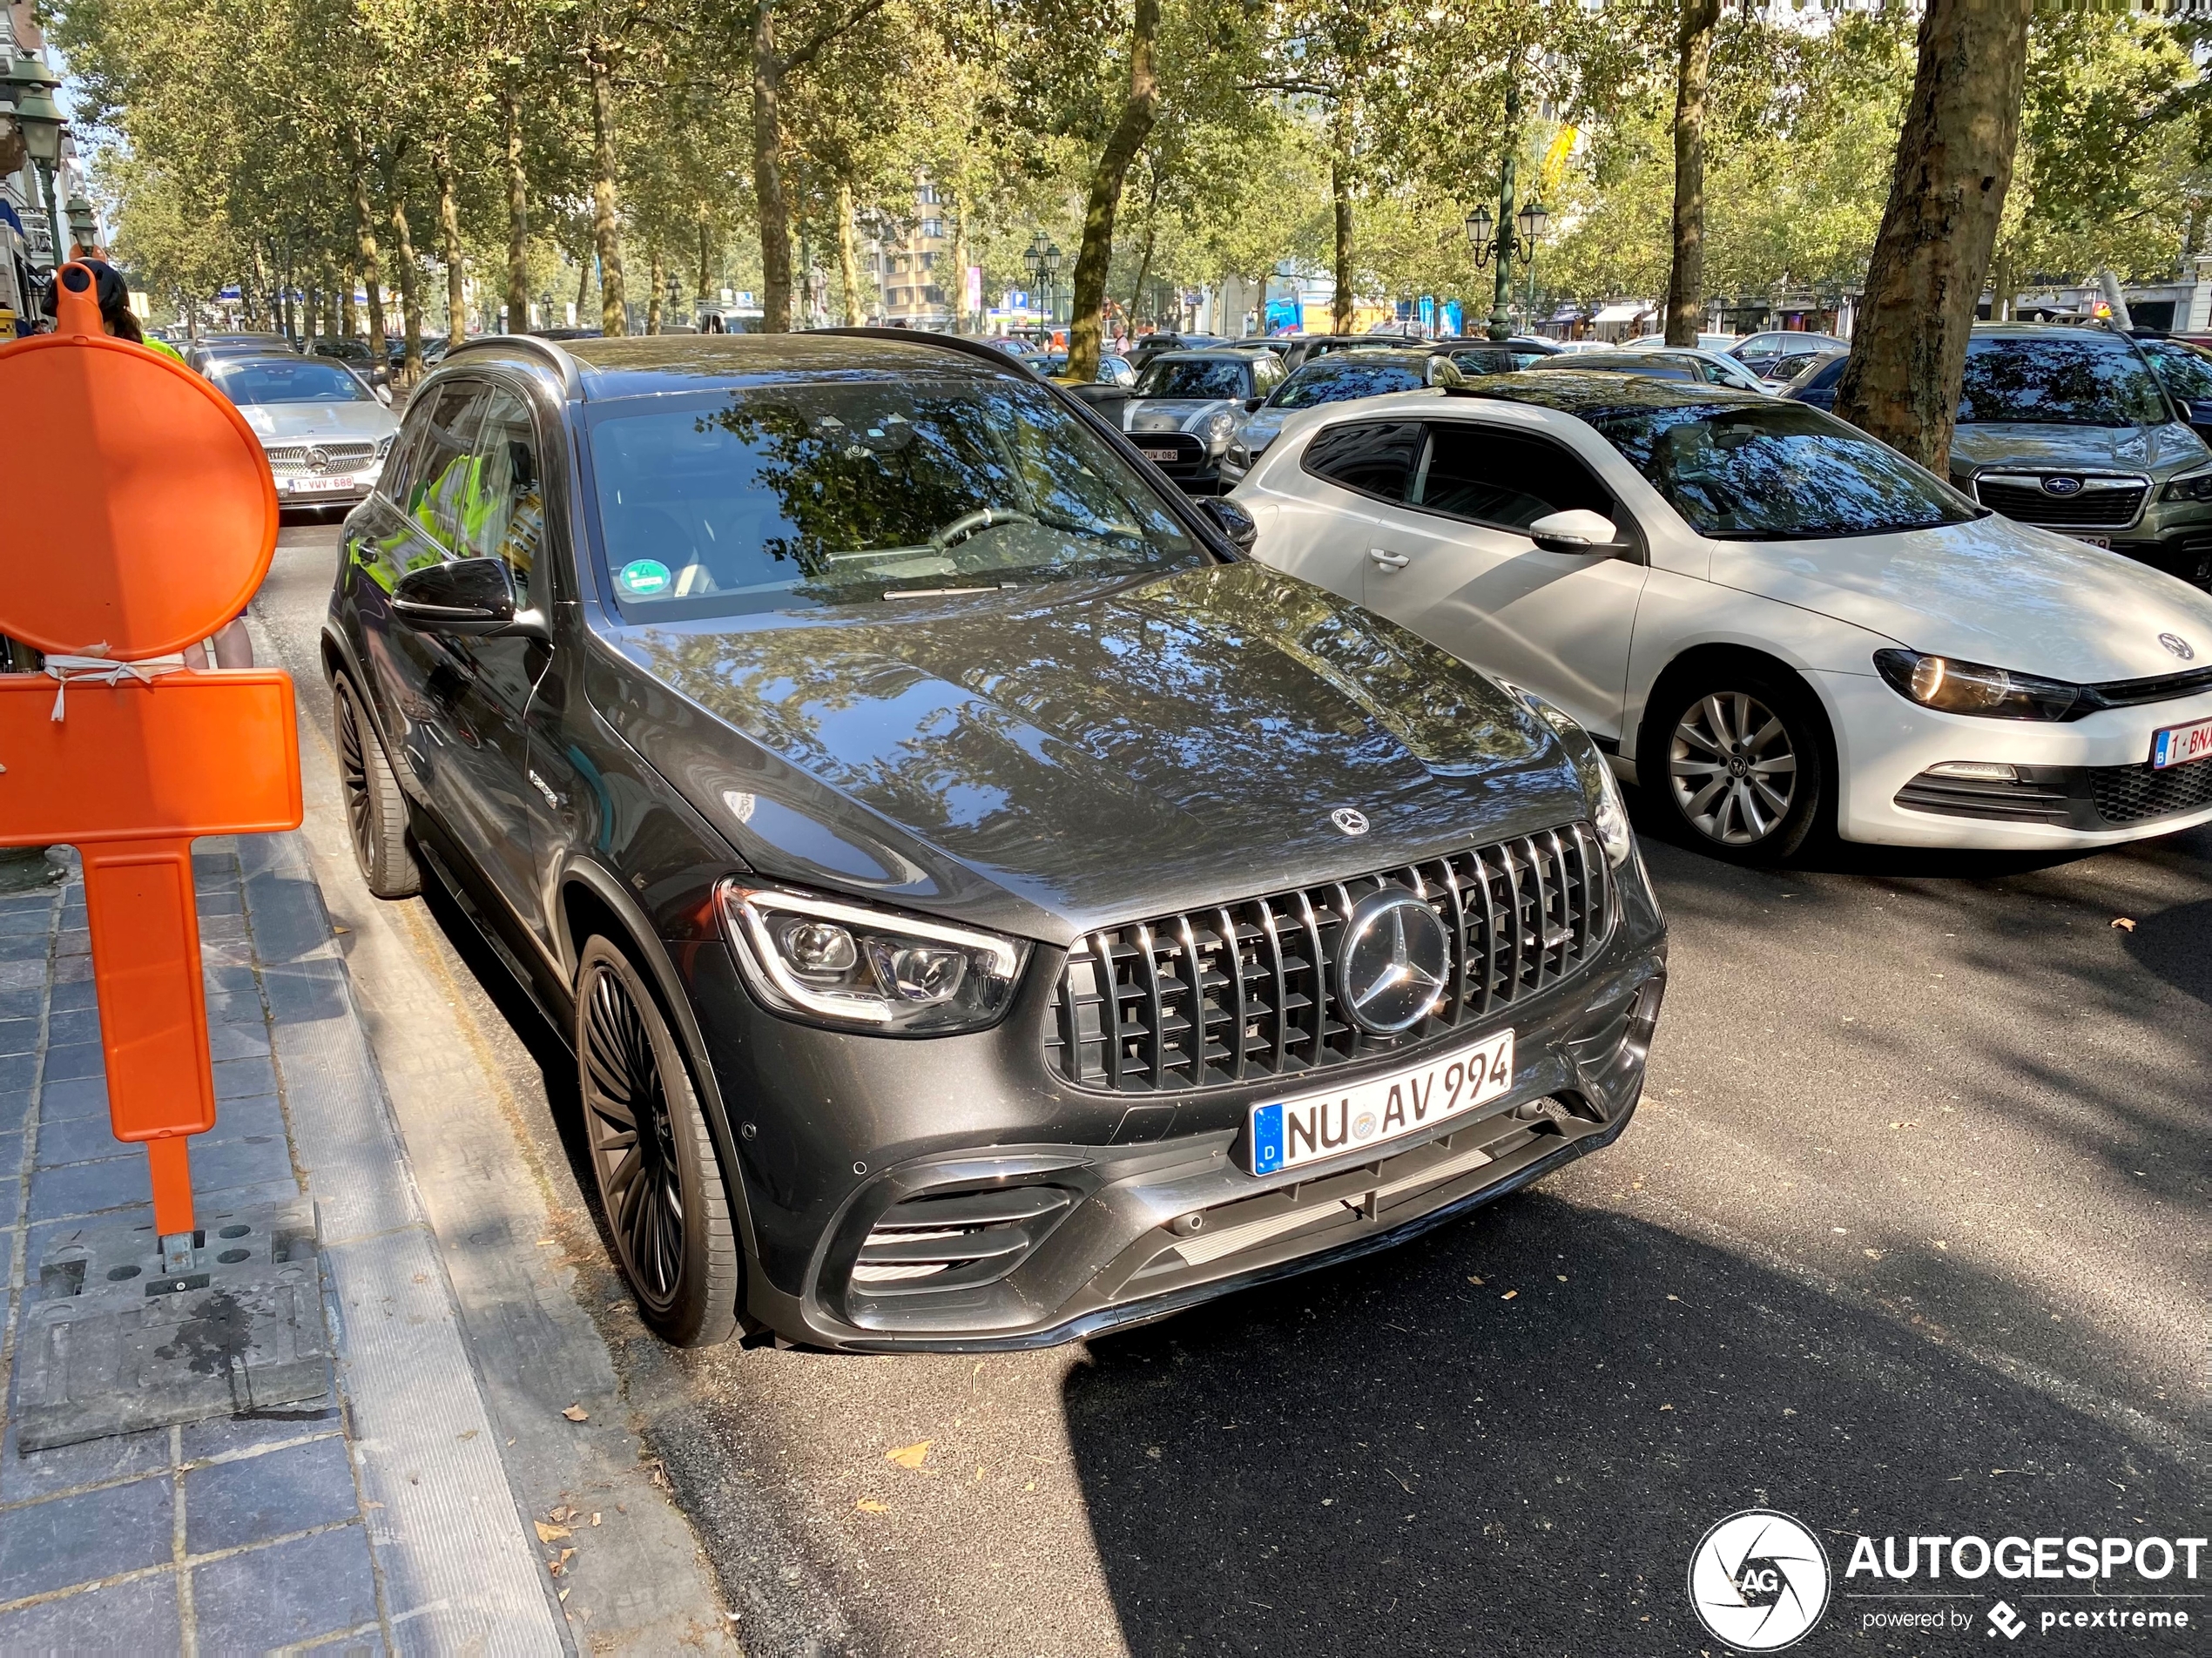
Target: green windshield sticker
{"x": 644, "y": 575}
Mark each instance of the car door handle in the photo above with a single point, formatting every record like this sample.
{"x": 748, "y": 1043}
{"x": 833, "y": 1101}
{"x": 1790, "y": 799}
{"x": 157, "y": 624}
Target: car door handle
{"x": 1389, "y": 561}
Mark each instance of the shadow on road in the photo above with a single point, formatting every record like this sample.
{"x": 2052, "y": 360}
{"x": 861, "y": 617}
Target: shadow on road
{"x": 1391, "y": 1457}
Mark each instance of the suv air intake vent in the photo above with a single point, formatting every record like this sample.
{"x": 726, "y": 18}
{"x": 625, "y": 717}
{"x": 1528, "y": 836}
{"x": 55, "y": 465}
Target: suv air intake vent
{"x": 1244, "y": 990}
{"x": 956, "y": 1242}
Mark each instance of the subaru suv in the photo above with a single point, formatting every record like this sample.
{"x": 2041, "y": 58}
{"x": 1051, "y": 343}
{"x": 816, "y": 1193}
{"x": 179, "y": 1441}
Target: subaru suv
{"x": 2070, "y": 428}
{"x": 985, "y": 908}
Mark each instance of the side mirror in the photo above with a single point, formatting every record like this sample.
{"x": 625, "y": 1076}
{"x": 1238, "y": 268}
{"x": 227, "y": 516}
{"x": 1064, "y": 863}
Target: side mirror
{"x": 1230, "y": 518}
{"x": 384, "y": 395}
{"x": 1252, "y": 405}
{"x": 467, "y": 599}
{"x": 1578, "y": 530}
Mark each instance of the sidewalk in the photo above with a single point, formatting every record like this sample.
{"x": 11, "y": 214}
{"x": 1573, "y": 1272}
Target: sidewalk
{"x": 379, "y": 1517}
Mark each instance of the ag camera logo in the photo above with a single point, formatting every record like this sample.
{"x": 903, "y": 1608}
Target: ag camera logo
{"x": 1759, "y": 1580}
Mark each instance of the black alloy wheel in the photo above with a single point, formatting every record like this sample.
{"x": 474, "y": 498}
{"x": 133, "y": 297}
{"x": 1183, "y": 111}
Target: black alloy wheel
{"x": 375, "y": 811}
{"x": 653, "y": 1157}
{"x": 1736, "y": 758}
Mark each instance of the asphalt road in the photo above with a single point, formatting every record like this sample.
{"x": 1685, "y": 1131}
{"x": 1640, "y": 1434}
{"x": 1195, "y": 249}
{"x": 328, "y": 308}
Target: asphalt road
{"x": 1909, "y": 1237}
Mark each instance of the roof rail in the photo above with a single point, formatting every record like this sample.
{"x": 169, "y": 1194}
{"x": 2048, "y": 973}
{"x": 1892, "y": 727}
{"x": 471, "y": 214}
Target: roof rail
{"x": 965, "y": 348}
{"x": 530, "y": 345}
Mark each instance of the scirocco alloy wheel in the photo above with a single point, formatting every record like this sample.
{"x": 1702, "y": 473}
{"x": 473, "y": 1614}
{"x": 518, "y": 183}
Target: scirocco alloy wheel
{"x": 660, "y": 1181}
{"x": 1739, "y": 759}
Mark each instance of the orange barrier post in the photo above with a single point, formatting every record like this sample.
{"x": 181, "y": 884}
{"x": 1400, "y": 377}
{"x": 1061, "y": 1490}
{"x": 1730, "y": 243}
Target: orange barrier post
{"x": 148, "y": 525}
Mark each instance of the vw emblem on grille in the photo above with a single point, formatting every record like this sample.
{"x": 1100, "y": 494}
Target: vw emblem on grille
{"x": 317, "y": 460}
{"x": 2178, "y": 645}
{"x": 2061, "y": 486}
{"x": 1352, "y": 821}
{"x": 1391, "y": 962}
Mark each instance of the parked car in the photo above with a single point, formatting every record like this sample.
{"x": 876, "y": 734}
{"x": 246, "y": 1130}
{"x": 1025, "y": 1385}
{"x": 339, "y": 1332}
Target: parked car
{"x": 1660, "y": 362}
{"x": 202, "y": 354}
{"x": 1816, "y": 380}
{"x": 1341, "y": 376}
{"x": 1772, "y": 354}
{"x": 1721, "y": 343}
{"x": 986, "y": 909}
{"x": 1497, "y": 356}
{"x": 2070, "y": 427}
{"x": 1146, "y": 347}
{"x": 1774, "y": 622}
{"x": 1186, "y": 405}
{"x": 1112, "y": 370}
{"x": 326, "y": 432}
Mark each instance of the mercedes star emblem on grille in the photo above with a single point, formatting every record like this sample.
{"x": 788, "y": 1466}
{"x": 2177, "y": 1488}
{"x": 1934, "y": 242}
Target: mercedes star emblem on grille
{"x": 2061, "y": 486}
{"x": 1391, "y": 965}
{"x": 2178, "y": 645}
{"x": 317, "y": 460}
{"x": 1351, "y": 821}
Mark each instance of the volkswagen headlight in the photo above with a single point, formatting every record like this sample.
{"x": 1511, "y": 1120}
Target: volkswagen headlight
{"x": 865, "y": 968}
{"x": 1608, "y": 812}
{"x": 1217, "y": 429}
{"x": 1955, "y": 687}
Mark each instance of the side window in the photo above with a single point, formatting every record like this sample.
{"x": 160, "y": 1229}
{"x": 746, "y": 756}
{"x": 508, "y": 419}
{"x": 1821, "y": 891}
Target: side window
{"x": 2187, "y": 373}
{"x": 504, "y": 517}
{"x": 440, "y": 478}
{"x": 1499, "y": 477}
{"x": 1375, "y": 457}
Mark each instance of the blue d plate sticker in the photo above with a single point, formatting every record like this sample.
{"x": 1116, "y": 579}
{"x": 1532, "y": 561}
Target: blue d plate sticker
{"x": 1267, "y": 1139}
{"x": 644, "y": 576}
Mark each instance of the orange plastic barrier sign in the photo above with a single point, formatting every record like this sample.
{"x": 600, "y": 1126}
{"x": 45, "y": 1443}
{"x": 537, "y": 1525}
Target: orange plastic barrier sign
{"x": 149, "y": 522}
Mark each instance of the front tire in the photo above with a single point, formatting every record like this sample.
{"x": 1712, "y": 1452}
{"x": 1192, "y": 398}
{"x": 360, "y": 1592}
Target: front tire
{"x": 375, "y": 811}
{"x": 1736, "y": 758}
{"x": 652, "y": 1158}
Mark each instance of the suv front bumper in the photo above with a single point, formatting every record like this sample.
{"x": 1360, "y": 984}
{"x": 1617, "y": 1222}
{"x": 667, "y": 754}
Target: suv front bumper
{"x": 1079, "y": 1222}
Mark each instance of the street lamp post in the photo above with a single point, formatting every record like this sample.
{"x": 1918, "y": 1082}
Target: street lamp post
{"x": 1033, "y": 256}
{"x": 1507, "y": 239}
{"x": 1052, "y": 283}
{"x": 39, "y": 120}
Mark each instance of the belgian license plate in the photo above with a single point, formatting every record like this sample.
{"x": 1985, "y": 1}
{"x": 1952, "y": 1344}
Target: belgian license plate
{"x": 2178, "y": 744}
{"x": 320, "y": 486}
{"x": 2104, "y": 541}
{"x": 1160, "y": 455}
{"x": 1288, "y": 1133}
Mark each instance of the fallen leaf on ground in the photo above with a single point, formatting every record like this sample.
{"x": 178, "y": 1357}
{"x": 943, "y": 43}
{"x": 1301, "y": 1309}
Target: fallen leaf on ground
{"x": 1510, "y": 1295}
{"x": 870, "y": 1506}
{"x": 595, "y": 1519}
{"x": 1473, "y": 1280}
{"x": 551, "y": 1533}
{"x": 565, "y": 1597}
{"x": 909, "y": 1456}
{"x": 577, "y": 1413}
{"x": 1666, "y": 1407}
{"x": 2123, "y": 924}
{"x": 562, "y": 1565}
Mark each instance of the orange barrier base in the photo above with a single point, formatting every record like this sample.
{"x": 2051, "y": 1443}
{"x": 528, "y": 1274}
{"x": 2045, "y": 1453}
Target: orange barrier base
{"x": 130, "y": 775}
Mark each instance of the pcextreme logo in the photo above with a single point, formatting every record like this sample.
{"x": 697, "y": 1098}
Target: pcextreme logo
{"x": 1759, "y": 1580}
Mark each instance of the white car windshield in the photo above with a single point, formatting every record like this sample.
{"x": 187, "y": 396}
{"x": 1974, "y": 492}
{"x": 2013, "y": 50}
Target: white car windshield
{"x": 304, "y": 382}
{"x": 1784, "y": 471}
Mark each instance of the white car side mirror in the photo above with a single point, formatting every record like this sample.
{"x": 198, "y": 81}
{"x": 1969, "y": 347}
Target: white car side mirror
{"x": 1578, "y": 530}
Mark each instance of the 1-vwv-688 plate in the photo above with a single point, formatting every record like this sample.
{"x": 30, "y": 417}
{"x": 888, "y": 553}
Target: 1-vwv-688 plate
{"x": 1287, "y": 1133}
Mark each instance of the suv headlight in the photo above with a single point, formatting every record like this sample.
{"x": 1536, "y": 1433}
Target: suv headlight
{"x": 868, "y": 969}
{"x": 1956, "y": 687}
{"x": 2191, "y": 486}
{"x": 1608, "y": 812}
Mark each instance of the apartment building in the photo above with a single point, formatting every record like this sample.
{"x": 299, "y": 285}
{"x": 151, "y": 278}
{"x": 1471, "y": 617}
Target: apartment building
{"x": 912, "y": 265}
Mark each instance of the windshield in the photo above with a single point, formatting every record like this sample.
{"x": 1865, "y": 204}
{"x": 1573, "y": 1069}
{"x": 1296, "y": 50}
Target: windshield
{"x": 2094, "y": 381}
{"x": 1338, "y": 380}
{"x": 1209, "y": 377}
{"x": 804, "y": 496}
{"x": 304, "y": 382}
{"x": 1778, "y": 472}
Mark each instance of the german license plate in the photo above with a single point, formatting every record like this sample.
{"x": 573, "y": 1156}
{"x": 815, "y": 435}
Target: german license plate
{"x": 2178, "y": 744}
{"x": 320, "y": 486}
{"x": 1288, "y": 1133}
{"x": 2104, "y": 541}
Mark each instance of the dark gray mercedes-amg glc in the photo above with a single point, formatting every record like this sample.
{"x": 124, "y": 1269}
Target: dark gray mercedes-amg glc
{"x": 985, "y": 908}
